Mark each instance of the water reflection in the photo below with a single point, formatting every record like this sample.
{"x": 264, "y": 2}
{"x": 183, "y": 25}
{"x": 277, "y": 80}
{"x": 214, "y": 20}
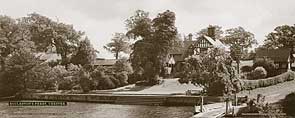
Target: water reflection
{"x": 95, "y": 110}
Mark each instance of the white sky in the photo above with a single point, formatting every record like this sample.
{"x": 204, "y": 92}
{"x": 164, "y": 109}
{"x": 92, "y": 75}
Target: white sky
{"x": 100, "y": 19}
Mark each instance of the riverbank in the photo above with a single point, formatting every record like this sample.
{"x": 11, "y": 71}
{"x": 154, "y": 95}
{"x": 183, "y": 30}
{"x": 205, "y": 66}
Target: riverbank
{"x": 165, "y": 100}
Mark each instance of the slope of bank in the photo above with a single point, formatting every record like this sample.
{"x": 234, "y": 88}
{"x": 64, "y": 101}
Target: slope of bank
{"x": 273, "y": 93}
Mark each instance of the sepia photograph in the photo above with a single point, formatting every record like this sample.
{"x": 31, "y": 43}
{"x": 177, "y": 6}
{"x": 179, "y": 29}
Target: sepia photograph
{"x": 147, "y": 59}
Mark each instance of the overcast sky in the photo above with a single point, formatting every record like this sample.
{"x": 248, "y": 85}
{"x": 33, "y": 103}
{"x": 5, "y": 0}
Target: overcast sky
{"x": 100, "y": 19}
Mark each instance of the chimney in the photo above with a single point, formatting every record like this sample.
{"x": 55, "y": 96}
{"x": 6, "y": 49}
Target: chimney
{"x": 211, "y": 32}
{"x": 190, "y": 37}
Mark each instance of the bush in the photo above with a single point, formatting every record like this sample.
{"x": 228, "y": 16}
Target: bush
{"x": 252, "y": 84}
{"x": 123, "y": 78}
{"x": 66, "y": 83}
{"x": 259, "y": 73}
{"x": 268, "y": 65}
{"x": 289, "y": 104}
{"x": 245, "y": 69}
{"x": 107, "y": 83}
{"x": 85, "y": 81}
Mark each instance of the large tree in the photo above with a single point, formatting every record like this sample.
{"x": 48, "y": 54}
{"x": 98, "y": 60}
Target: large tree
{"x": 119, "y": 43}
{"x": 47, "y": 33}
{"x": 85, "y": 54}
{"x": 13, "y": 36}
{"x": 282, "y": 36}
{"x": 17, "y": 66}
{"x": 213, "y": 71}
{"x": 155, "y": 38}
{"x": 239, "y": 40}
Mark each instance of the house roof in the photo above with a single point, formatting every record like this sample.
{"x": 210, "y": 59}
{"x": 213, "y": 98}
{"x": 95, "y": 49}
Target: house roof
{"x": 105, "y": 62}
{"x": 216, "y": 43}
{"x": 182, "y": 49}
{"x": 48, "y": 56}
{"x": 277, "y": 55}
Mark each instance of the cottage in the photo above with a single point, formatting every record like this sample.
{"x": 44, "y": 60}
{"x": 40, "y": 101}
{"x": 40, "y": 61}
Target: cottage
{"x": 283, "y": 57}
{"x": 194, "y": 47}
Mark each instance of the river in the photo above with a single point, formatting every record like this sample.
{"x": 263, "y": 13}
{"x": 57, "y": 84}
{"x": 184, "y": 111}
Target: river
{"x": 94, "y": 110}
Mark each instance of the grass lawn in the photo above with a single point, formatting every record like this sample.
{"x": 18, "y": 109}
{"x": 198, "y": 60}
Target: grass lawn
{"x": 273, "y": 93}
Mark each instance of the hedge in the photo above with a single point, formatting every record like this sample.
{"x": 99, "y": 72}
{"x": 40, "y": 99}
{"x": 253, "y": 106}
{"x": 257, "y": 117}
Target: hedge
{"x": 252, "y": 84}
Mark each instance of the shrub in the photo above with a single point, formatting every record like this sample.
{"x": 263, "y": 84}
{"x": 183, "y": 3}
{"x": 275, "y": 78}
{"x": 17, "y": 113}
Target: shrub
{"x": 245, "y": 69}
{"x": 107, "y": 83}
{"x": 85, "y": 80}
{"x": 123, "y": 78}
{"x": 66, "y": 83}
{"x": 268, "y": 65}
{"x": 252, "y": 84}
{"x": 259, "y": 73}
{"x": 289, "y": 104}
{"x": 123, "y": 65}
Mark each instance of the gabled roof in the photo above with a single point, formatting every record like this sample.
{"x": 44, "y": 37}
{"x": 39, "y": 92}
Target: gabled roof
{"x": 216, "y": 43}
{"x": 277, "y": 55}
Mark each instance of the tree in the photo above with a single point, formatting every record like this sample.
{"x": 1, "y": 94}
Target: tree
{"x": 218, "y": 32}
{"x": 47, "y": 34}
{"x": 13, "y": 36}
{"x": 165, "y": 34}
{"x": 17, "y": 69}
{"x": 213, "y": 71}
{"x": 119, "y": 43}
{"x": 238, "y": 39}
{"x": 155, "y": 38}
{"x": 282, "y": 36}
{"x": 85, "y": 54}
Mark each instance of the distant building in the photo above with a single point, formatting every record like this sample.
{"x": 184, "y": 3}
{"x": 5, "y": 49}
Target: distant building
{"x": 105, "y": 62}
{"x": 194, "y": 47}
{"x": 283, "y": 58}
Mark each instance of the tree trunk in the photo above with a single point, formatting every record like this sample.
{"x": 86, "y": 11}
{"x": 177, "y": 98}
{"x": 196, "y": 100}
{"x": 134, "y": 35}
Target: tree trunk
{"x": 117, "y": 55}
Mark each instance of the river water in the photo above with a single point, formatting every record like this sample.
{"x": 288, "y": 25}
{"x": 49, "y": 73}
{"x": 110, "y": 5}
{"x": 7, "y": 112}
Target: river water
{"x": 94, "y": 110}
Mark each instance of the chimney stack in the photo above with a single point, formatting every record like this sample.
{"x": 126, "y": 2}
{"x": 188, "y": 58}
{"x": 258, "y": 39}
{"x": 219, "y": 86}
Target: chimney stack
{"x": 211, "y": 32}
{"x": 190, "y": 37}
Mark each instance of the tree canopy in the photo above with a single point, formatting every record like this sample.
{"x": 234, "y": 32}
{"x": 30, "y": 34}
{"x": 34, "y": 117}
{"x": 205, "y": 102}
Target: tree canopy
{"x": 282, "y": 36}
{"x": 155, "y": 36}
{"x": 85, "y": 54}
{"x": 47, "y": 33}
{"x": 119, "y": 43}
{"x": 239, "y": 39}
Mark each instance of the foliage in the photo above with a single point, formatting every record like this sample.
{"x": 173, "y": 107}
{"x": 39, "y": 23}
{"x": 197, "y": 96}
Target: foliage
{"x": 122, "y": 65}
{"x": 259, "y": 73}
{"x": 268, "y": 65}
{"x": 282, "y": 36}
{"x": 213, "y": 71}
{"x": 13, "y": 36}
{"x": 289, "y": 104}
{"x": 47, "y": 34}
{"x": 85, "y": 55}
{"x": 17, "y": 68}
{"x": 102, "y": 79}
{"x": 238, "y": 39}
{"x": 39, "y": 77}
{"x": 246, "y": 69}
{"x": 119, "y": 43}
{"x": 135, "y": 76}
{"x": 157, "y": 37}
{"x": 252, "y": 84}
{"x": 85, "y": 80}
